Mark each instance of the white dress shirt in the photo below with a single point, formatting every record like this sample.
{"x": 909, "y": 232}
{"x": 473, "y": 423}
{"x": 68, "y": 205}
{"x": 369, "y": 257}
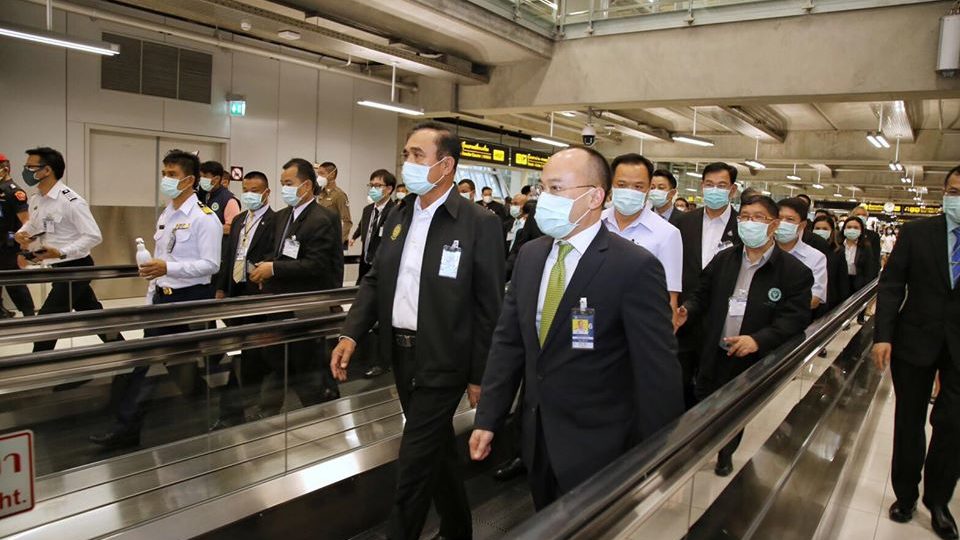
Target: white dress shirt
{"x": 667, "y": 213}
{"x": 188, "y": 239}
{"x": 65, "y": 219}
{"x": 851, "y": 253}
{"x": 406, "y": 298}
{"x": 518, "y": 224}
{"x": 816, "y": 261}
{"x": 251, "y": 222}
{"x": 580, "y": 242}
{"x": 712, "y": 235}
{"x": 658, "y": 236}
{"x": 732, "y": 324}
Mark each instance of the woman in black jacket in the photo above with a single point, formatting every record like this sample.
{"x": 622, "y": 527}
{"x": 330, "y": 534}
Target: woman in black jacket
{"x": 838, "y": 284}
{"x": 858, "y": 254}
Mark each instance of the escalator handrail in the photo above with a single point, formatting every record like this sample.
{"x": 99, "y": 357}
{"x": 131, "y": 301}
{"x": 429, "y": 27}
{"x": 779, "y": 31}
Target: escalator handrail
{"x": 716, "y": 418}
{"x": 30, "y": 276}
{"x": 63, "y": 325}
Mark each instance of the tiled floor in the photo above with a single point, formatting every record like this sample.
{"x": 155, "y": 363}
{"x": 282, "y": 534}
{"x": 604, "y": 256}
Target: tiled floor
{"x": 864, "y": 514}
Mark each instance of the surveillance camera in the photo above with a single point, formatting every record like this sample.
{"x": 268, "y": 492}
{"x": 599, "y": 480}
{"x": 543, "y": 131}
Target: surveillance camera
{"x": 588, "y": 135}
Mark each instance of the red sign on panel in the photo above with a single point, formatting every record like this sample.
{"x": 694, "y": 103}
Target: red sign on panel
{"x": 16, "y": 473}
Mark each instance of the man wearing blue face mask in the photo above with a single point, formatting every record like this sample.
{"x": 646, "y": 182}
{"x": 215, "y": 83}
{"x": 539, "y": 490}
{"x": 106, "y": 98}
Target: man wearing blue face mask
{"x": 705, "y": 230}
{"x": 751, "y": 299}
{"x": 216, "y": 196}
{"x": 435, "y": 289}
{"x": 586, "y": 325}
{"x": 793, "y": 223}
{"x": 634, "y": 219}
{"x": 370, "y": 230}
{"x": 663, "y": 191}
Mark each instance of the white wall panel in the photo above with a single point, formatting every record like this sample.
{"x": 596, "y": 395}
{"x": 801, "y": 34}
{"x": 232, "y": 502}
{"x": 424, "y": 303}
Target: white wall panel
{"x": 374, "y": 142}
{"x": 253, "y": 138}
{"x": 297, "y": 115}
{"x": 123, "y": 169}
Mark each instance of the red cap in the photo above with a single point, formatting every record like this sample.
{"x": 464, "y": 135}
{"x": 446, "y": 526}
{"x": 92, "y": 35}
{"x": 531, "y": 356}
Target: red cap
{"x": 3, "y": 157}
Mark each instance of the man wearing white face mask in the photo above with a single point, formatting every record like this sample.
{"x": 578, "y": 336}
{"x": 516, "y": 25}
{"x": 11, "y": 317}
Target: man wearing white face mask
{"x": 793, "y": 222}
{"x": 586, "y": 325}
{"x": 435, "y": 289}
{"x": 186, "y": 257}
{"x": 634, "y": 219}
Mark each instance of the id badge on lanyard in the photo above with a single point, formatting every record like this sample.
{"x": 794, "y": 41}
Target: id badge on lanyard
{"x": 583, "y": 329}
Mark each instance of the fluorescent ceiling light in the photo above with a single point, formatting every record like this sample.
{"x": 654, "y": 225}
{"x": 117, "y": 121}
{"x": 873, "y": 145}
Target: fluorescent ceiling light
{"x": 395, "y": 107}
{"x": 694, "y": 174}
{"x": 754, "y": 164}
{"x": 47, "y": 37}
{"x": 872, "y": 139}
{"x": 794, "y": 177}
{"x": 838, "y": 195}
{"x": 882, "y": 140}
{"x": 289, "y": 35}
{"x": 852, "y": 200}
{"x": 692, "y": 190}
{"x": 765, "y": 192}
{"x": 569, "y": 114}
{"x": 551, "y": 142}
{"x": 692, "y": 139}
{"x": 817, "y": 186}
{"x": 892, "y": 166}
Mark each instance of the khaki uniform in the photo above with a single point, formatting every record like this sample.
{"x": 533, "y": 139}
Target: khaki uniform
{"x": 335, "y": 199}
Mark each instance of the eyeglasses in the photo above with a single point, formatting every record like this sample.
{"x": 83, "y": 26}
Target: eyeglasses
{"x": 371, "y": 185}
{"x": 33, "y": 168}
{"x": 756, "y": 219}
{"x": 540, "y": 189}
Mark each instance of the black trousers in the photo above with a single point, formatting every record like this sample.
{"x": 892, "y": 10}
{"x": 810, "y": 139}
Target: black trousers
{"x": 132, "y": 407}
{"x": 727, "y": 368}
{"x": 304, "y": 364}
{"x": 941, "y": 462}
{"x": 20, "y": 294}
{"x": 364, "y": 268}
{"x": 543, "y": 482}
{"x": 75, "y": 296}
{"x": 428, "y": 467}
{"x": 248, "y": 370}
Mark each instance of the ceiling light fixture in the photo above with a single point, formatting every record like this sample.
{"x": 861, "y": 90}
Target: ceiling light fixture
{"x": 551, "y": 142}
{"x": 289, "y": 35}
{"x": 692, "y": 139}
{"x": 876, "y": 138}
{"x": 895, "y": 165}
{"x": 794, "y": 176}
{"x": 569, "y": 114}
{"x": 755, "y": 163}
{"x": 695, "y": 172}
{"x": 48, "y": 37}
{"x": 393, "y": 105}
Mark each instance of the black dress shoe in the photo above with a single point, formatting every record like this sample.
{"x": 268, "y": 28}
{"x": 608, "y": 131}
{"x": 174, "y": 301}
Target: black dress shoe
{"x": 117, "y": 439}
{"x": 902, "y": 513}
{"x": 375, "y": 371}
{"x": 943, "y": 523}
{"x": 510, "y": 470}
{"x": 724, "y": 466}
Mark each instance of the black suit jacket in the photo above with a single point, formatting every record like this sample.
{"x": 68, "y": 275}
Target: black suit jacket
{"x": 868, "y": 266}
{"x": 319, "y": 264}
{"x": 838, "y": 284}
{"x": 530, "y": 231}
{"x": 874, "y": 238}
{"x": 675, "y": 216}
{"x": 815, "y": 241}
{"x": 778, "y": 308}
{"x": 260, "y": 248}
{"x": 929, "y": 320}
{"x": 690, "y": 225}
{"x": 592, "y": 405}
{"x": 363, "y": 229}
{"x": 456, "y": 317}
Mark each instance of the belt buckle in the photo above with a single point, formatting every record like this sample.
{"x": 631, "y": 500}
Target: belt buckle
{"x": 167, "y": 291}
{"x": 404, "y": 341}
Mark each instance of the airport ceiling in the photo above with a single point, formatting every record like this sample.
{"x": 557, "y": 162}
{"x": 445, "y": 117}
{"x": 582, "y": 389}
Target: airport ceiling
{"x": 460, "y": 42}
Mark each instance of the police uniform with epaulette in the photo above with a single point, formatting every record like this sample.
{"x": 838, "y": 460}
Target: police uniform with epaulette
{"x": 13, "y": 201}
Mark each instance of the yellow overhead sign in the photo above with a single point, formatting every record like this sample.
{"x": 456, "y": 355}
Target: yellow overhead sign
{"x": 530, "y": 160}
{"x": 484, "y": 152}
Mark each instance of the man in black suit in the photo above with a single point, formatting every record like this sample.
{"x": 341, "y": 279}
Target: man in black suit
{"x": 705, "y": 231}
{"x": 587, "y": 325}
{"x": 370, "y": 230}
{"x": 250, "y": 242}
{"x": 435, "y": 289}
{"x": 752, "y": 298}
{"x": 663, "y": 190}
{"x": 920, "y": 339}
{"x": 306, "y": 255}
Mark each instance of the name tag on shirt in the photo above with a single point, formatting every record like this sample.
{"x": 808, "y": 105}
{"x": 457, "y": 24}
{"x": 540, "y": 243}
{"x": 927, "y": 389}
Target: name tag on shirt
{"x": 450, "y": 260}
{"x": 291, "y": 248}
{"x": 736, "y": 307}
{"x": 582, "y": 329}
{"x": 49, "y": 225}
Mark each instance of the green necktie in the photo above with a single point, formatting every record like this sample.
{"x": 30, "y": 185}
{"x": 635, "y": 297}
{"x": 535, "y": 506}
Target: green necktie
{"x": 555, "y": 286}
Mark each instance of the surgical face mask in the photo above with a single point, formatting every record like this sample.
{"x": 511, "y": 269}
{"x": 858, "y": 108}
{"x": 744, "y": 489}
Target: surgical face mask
{"x": 786, "y": 232}
{"x": 169, "y": 187}
{"x": 753, "y": 233}
{"x": 811, "y": 216}
{"x": 851, "y": 234}
{"x": 716, "y": 198}
{"x": 628, "y": 201}
{"x": 290, "y": 195}
{"x": 208, "y": 183}
{"x": 30, "y": 177}
{"x": 375, "y": 194}
{"x": 250, "y": 200}
{"x": 951, "y": 207}
{"x": 822, "y": 233}
{"x": 488, "y": 199}
{"x": 658, "y": 197}
{"x": 322, "y": 181}
{"x": 514, "y": 211}
{"x": 399, "y": 195}
{"x": 553, "y": 214}
{"x": 415, "y": 177}
{"x": 468, "y": 196}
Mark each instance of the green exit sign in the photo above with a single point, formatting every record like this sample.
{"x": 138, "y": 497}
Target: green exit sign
{"x": 238, "y": 108}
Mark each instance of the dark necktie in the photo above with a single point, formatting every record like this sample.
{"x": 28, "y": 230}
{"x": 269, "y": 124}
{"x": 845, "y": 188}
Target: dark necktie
{"x": 370, "y": 233}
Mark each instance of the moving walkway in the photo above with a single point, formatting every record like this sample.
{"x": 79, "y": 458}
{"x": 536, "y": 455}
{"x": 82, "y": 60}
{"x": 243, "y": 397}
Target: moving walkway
{"x": 331, "y": 464}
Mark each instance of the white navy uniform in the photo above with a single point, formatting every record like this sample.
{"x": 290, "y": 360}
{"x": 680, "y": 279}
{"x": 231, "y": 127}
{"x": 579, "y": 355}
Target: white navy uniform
{"x": 65, "y": 219}
{"x": 189, "y": 240}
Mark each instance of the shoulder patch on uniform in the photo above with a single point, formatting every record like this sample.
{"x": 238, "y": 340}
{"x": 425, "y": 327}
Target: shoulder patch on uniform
{"x": 65, "y": 192}
{"x": 21, "y": 196}
{"x": 204, "y": 208}
{"x": 215, "y": 206}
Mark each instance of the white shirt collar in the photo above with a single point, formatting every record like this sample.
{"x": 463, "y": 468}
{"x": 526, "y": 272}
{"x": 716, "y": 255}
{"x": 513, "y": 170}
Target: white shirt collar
{"x": 800, "y": 249}
{"x": 763, "y": 258}
{"x": 54, "y": 192}
{"x": 582, "y": 240}
{"x": 725, "y": 216}
{"x": 430, "y": 210}
{"x": 187, "y": 207}
{"x": 261, "y": 211}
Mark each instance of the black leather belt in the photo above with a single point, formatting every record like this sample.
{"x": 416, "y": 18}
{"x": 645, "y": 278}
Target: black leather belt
{"x": 405, "y": 339}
